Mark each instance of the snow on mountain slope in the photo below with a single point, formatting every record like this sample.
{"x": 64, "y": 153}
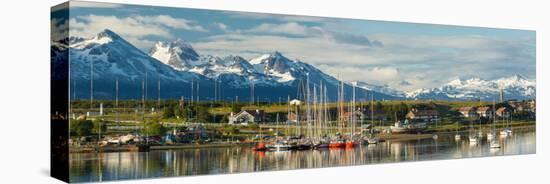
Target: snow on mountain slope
{"x": 178, "y": 54}
{"x": 514, "y": 87}
{"x": 380, "y": 89}
{"x": 111, "y": 56}
{"x": 175, "y": 62}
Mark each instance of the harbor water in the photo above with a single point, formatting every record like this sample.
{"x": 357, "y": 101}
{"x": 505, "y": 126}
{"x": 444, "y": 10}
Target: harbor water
{"x": 86, "y": 167}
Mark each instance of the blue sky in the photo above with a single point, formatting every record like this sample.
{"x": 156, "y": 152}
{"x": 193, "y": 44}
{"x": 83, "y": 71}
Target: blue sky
{"x": 404, "y": 56}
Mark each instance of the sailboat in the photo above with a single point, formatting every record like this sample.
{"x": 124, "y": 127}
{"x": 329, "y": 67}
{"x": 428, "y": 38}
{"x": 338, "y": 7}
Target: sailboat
{"x": 338, "y": 141}
{"x": 305, "y": 142}
{"x": 507, "y": 131}
{"x": 480, "y": 132}
{"x": 490, "y": 136}
{"x": 457, "y": 136}
{"x": 370, "y": 139}
{"x": 321, "y": 119}
{"x": 473, "y": 137}
{"x": 261, "y": 144}
{"x": 350, "y": 143}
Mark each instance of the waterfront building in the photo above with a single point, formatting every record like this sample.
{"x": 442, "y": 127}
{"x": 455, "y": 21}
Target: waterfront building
{"x": 485, "y": 112}
{"x": 247, "y": 116}
{"x": 423, "y": 115}
{"x": 467, "y": 112}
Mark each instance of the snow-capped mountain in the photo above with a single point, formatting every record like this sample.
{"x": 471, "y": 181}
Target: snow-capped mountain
{"x": 514, "y": 87}
{"x": 285, "y": 70}
{"x": 112, "y": 56}
{"x": 384, "y": 89}
{"x": 177, "y": 66}
{"x": 108, "y": 57}
{"x": 271, "y": 69}
{"x": 178, "y": 54}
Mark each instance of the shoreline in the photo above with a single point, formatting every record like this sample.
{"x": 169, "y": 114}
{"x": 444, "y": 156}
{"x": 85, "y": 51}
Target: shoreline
{"x": 385, "y": 136}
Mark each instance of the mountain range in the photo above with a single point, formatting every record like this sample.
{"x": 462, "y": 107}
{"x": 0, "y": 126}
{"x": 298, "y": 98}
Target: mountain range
{"x": 182, "y": 71}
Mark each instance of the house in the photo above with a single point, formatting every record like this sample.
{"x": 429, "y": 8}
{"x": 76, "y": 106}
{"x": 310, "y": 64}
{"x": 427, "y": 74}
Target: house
{"x": 486, "y": 112}
{"x": 503, "y": 112}
{"x": 423, "y": 115}
{"x": 348, "y": 116}
{"x": 292, "y": 117}
{"x": 247, "y": 116}
{"x": 467, "y": 112}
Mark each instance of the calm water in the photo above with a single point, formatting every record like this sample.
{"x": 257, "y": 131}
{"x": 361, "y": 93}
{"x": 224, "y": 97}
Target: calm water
{"x": 132, "y": 165}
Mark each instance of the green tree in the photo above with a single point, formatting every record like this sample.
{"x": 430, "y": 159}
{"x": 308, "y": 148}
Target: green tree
{"x": 378, "y": 105}
{"x": 168, "y": 112}
{"x": 231, "y": 130}
{"x": 225, "y": 119}
{"x": 403, "y": 109}
{"x": 81, "y": 127}
{"x": 154, "y": 128}
{"x": 236, "y": 108}
{"x": 99, "y": 125}
{"x": 202, "y": 114}
{"x": 181, "y": 112}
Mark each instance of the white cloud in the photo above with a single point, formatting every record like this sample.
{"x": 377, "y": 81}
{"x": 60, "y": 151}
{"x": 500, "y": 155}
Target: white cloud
{"x": 280, "y": 17}
{"x": 168, "y": 21}
{"x": 222, "y": 26}
{"x": 423, "y": 61}
{"x": 373, "y": 75}
{"x": 86, "y": 4}
{"x": 90, "y": 25}
{"x": 291, "y": 28}
{"x": 59, "y": 29}
{"x": 132, "y": 28}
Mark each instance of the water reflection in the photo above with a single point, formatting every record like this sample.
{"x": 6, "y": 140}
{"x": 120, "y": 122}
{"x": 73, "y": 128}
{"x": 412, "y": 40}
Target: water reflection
{"x": 133, "y": 165}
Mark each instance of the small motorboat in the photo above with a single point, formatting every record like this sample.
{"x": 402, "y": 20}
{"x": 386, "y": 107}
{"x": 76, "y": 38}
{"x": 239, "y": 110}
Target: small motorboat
{"x": 506, "y": 132}
{"x": 480, "y": 134}
{"x": 473, "y": 139}
{"x": 490, "y": 135}
{"x": 279, "y": 147}
{"x": 457, "y": 137}
{"x": 370, "y": 139}
{"x": 494, "y": 145}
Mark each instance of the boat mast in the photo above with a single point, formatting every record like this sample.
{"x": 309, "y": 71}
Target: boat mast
{"x": 192, "y": 90}
{"x": 116, "y": 100}
{"x": 287, "y": 115}
{"x": 353, "y": 112}
{"x": 315, "y": 110}
{"x": 372, "y": 111}
{"x": 91, "y": 84}
{"x": 158, "y": 94}
{"x": 494, "y": 117}
{"x": 327, "y": 119}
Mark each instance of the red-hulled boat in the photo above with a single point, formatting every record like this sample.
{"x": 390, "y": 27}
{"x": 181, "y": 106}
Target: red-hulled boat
{"x": 337, "y": 144}
{"x": 350, "y": 144}
{"x": 260, "y": 147}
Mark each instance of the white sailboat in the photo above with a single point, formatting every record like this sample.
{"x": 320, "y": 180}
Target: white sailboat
{"x": 371, "y": 139}
{"x": 457, "y": 136}
{"x": 507, "y": 131}
{"x": 473, "y": 137}
{"x": 493, "y": 143}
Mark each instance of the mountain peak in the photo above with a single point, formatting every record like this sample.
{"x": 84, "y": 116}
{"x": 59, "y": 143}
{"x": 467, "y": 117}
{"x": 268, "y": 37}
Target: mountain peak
{"x": 181, "y": 43}
{"x": 178, "y": 54}
{"x": 108, "y": 34}
{"x": 518, "y": 77}
{"x": 276, "y": 54}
